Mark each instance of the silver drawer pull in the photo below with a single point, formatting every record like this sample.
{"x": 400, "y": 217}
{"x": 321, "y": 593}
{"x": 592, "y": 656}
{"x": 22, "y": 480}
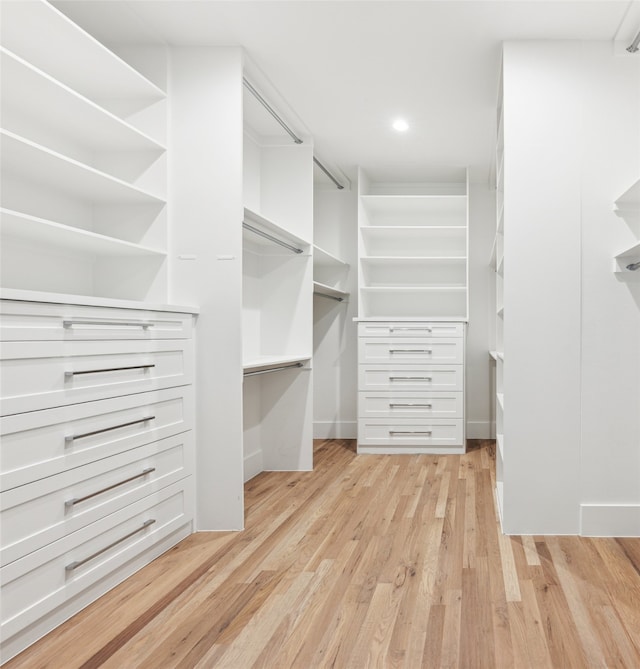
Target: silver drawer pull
{"x": 70, "y": 322}
{"x": 422, "y": 406}
{"x": 77, "y": 500}
{"x": 409, "y": 431}
{"x": 107, "y": 369}
{"x": 410, "y": 350}
{"x": 410, "y": 378}
{"x": 78, "y": 563}
{"x": 73, "y": 437}
{"x": 425, "y": 329}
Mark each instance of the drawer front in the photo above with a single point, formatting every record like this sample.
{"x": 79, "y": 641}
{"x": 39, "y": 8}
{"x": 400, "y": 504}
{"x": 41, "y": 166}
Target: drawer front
{"x": 414, "y": 377}
{"x": 37, "y": 514}
{"x": 43, "y": 580}
{"x": 37, "y": 321}
{"x": 410, "y": 329}
{"x": 39, "y": 375}
{"x": 410, "y": 350}
{"x": 410, "y": 405}
{"x": 44, "y": 443}
{"x": 410, "y": 432}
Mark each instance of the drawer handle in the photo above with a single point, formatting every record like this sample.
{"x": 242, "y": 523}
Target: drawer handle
{"x": 73, "y": 437}
{"x": 78, "y": 563}
{"x": 70, "y": 322}
{"x": 409, "y": 431}
{"x": 108, "y": 369}
{"x": 426, "y": 329}
{"x": 410, "y": 378}
{"x": 410, "y": 350}
{"x": 422, "y": 406}
{"x": 77, "y": 500}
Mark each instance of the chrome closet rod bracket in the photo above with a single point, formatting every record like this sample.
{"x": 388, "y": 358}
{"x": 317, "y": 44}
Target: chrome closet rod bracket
{"x": 273, "y": 369}
{"x": 271, "y": 238}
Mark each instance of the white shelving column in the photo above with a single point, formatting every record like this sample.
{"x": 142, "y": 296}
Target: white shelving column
{"x": 627, "y": 207}
{"x": 412, "y": 307}
{"x": 277, "y": 296}
{"x": 83, "y": 164}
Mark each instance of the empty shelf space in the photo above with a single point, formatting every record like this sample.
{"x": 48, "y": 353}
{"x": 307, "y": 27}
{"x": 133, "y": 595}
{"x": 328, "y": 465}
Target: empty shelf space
{"x": 415, "y": 204}
{"x": 632, "y": 253}
{"x": 37, "y": 164}
{"x": 500, "y": 398}
{"x": 328, "y": 291}
{"x": 31, "y": 229}
{"x": 394, "y": 260}
{"x": 271, "y": 362}
{"x": 263, "y": 233}
{"x": 629, "y": 200}
{"x": 44, "y": 36}
{"x": 324, "y": 258}
{"x": 29, "y": 93}
{"x": 413, "y": 289}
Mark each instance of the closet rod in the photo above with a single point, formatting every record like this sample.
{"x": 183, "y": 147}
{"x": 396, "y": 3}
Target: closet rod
{"x": 271, "y": 238}
{"x": 633, "y": 266}
{"x": 326, "y": 171}
{"x": 270, "y": 109}
{"x": 273, "y": 369}
{"x": 331, "y": 297}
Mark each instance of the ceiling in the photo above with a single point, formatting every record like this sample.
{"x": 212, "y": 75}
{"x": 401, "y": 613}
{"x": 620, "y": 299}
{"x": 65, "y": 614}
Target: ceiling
{"x": 348, "y": 68}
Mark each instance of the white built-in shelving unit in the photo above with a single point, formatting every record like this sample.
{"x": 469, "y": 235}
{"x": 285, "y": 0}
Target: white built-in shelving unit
{"x": 329, "y": 274}
{"x": 277, "y": 296}
{"x": 627, "y": 207}
{"x": 412, "y": 310}
{"x": 413, "y": 249}
{"x": 83, "y": 166}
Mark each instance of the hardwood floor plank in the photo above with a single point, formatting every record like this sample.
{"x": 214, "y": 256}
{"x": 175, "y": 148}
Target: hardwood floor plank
{"x": 368, "y": 561}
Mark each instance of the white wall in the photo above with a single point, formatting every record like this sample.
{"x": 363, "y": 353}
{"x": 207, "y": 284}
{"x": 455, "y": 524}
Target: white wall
{"x": 334, "y": 332}
{"x": 610, "y": 383}
{"x": 479, "y": 369}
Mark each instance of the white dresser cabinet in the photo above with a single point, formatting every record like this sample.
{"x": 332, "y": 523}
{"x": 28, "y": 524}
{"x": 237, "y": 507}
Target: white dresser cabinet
{"x": 96, "y": 473}
{"x": 411, "y": 387}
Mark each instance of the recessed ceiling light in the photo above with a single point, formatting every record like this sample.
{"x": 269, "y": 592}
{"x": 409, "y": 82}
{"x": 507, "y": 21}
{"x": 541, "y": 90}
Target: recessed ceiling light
{"x": 400, "y": 125}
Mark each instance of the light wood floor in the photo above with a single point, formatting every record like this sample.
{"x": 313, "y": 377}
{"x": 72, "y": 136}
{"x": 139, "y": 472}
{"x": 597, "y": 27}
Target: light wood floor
{"x": 369, "y": 561}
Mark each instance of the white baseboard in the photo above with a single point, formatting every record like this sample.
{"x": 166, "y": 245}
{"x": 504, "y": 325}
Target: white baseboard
{"x": 325, "y": 429}
{"x": 610, "y": 520}
{"x": 478, "y": 429}
{"x": 252, "y": 465}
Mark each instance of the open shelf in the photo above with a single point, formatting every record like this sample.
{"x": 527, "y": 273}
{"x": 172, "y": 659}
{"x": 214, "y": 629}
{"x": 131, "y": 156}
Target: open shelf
{"x": 266, "y": 362}
{"x": 429, "y": 209}
{"x": 53, "y": 43}
{"x": 32, "y": 162}
{"x": 29, "y": 94}
{"x": 38, "y": 231}
{"x": 322, "y": 258}
{"x": 264, "y": 233}
{"x": 328, "y": 291}
{"x": 629, "y": 201}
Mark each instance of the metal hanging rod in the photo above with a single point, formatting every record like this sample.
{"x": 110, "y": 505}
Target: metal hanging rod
{"x": 633, "y": 266}
{"x": 331, "y": 297}
{"x": 271, "y": 110}
{"x": 271, "y": 238}
{"x": 326, "y": 171}
{"x": 634, "y": 47}
{"x": 274, "y": 369}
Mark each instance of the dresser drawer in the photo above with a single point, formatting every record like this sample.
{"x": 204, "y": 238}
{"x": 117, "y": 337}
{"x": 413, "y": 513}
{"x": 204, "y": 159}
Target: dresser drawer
{"x": 412, "y": 377}
{"x": 38, "y": 321}
{"x": 44, "y": 443}
{"x": 43, "y": 580}
{"x": 410, "y": 432}
{"x": 36, "y": 514}
{"x": 39, "y": 375}
{"x": 410, "y": 350}
{"x": 409, "y": 329}
{"x": 410, "y": 405}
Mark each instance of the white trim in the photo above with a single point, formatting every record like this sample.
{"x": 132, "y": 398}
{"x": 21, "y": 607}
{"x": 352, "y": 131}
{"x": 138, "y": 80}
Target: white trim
{"x": 252, "y": 465}
{"x": 610, "y": 520}
{"x": 479, "y": 429}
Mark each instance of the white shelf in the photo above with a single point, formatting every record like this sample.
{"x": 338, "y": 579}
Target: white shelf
{"x": 500, "y": 444}
{"x": 500, "y": 267}
{"x": 269, "y": 227}
{"x": 36, "y": 32}
{"x": 413, "y": 289}
{"x": 500, "y": 312}
{"x": 410, "y": 319}
{"x": 323, "y": 258}
{"x": 402, "y": 205}
{"x": 383, "y": 260}
{"x": 328, "y": 291}
{"x": 39, "y": 231}
{"x": 29, "y": 93}
{"x": 500, "y": 398}
{"x": 265, "y": 362}
{"x": 493, "y": 355}
{"x": 37, "y": 164}
{"x": 629, "y": 200}
{"x": 632, "y": 253}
